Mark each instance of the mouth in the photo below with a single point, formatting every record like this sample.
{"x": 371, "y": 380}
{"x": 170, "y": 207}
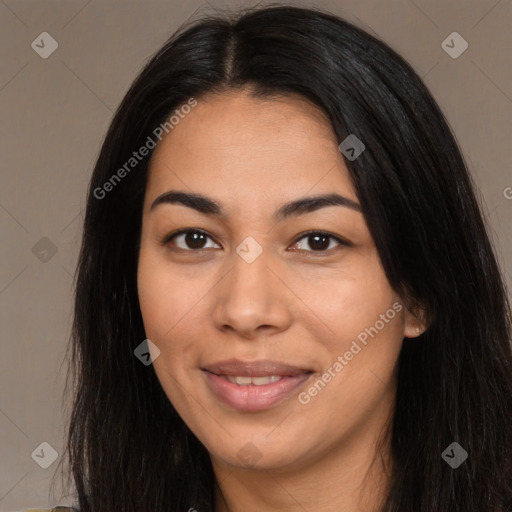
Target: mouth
{"x": 256, "y": 385}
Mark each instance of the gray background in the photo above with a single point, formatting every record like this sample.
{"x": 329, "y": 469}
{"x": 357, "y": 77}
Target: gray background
{"x": 55, "y": 112}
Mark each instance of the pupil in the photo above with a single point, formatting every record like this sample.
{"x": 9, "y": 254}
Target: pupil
{"x": 194, "y": 240}
{"x": 318, "y": 246}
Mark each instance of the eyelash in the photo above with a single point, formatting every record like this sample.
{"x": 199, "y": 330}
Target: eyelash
{"x": 169, "y": 237}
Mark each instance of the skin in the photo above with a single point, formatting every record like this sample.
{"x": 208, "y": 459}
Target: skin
{"x": 293, "y": 304}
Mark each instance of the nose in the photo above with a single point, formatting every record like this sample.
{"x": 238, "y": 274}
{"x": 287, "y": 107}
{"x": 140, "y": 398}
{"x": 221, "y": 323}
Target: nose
{"x": 251, "y": 300}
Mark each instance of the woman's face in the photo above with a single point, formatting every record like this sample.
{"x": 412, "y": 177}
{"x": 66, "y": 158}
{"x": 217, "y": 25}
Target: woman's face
{"x": 247, "y": 293}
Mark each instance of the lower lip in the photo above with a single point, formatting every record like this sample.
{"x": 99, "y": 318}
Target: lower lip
{"x": 252, "y": 398}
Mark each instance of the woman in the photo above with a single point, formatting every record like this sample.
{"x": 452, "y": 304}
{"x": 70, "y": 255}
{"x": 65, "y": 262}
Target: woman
{"x": 280, "y": 220}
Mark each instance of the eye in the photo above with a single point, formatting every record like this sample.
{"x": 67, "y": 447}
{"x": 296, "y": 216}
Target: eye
{"x": 318, "y": 241}
{"x": 194, "y": 240}
{"x": 188, "y": 239}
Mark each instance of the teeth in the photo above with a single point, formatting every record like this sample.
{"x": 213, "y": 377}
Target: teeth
{"x": 257, "y": 381}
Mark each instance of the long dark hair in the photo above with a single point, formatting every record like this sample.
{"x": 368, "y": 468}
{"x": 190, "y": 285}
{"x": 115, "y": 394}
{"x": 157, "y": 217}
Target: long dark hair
{"x": 128, "y": 448}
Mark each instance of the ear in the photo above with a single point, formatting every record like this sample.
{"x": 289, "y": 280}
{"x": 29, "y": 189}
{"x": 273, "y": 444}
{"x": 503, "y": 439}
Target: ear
{"x": 414, "y": 322}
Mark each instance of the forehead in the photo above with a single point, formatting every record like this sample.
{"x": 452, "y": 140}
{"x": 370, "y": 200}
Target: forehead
{"x": 239, "y": 147}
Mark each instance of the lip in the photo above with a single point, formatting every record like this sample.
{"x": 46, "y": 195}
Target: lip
{"x": 262, "y": 368}
{"x": 253, "y": 398}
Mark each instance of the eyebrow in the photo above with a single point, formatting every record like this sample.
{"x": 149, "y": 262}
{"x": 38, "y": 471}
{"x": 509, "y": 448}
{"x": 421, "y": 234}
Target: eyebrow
{"x": 208, "y": 206}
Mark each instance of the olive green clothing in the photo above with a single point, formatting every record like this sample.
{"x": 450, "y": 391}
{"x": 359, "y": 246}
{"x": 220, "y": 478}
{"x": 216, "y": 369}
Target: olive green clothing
{"x": 56, "y": 509}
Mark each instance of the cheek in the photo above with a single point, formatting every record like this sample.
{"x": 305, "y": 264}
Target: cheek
{"x": 350, "y": 303}
{"x": 165, "y": 298}
{"x": 168, "y": 305}
{"x": 173, "y": 311}
{"x": 359, "y": 354}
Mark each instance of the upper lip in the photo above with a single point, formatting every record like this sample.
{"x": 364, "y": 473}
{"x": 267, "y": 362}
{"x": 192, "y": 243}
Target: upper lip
{"x": 261, "y": 368}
